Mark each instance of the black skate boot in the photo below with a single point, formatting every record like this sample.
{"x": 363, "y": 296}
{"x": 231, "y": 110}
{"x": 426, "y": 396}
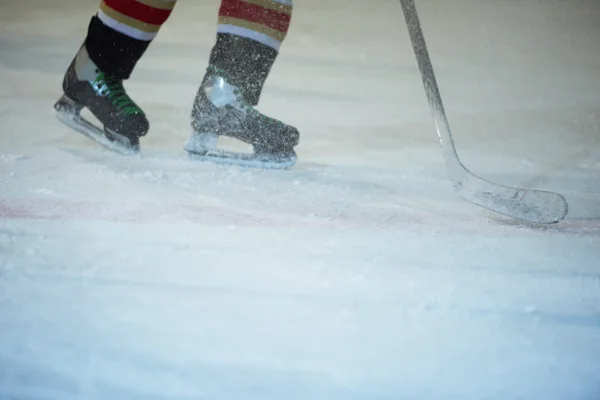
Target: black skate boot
{"x": 85, "y": 85}
{"x": 225, "y": 103}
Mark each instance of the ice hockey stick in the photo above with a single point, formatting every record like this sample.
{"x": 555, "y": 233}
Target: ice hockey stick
{"x": 530, "y": 205}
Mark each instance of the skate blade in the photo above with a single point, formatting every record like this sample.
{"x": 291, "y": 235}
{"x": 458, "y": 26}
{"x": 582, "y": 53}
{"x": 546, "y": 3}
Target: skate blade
{"x": 219, "y": 156}
{"x": 69, "y": 115}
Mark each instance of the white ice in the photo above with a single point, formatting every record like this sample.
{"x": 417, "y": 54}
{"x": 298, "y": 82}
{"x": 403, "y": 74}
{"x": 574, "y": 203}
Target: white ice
{"x": 359, "y": 274}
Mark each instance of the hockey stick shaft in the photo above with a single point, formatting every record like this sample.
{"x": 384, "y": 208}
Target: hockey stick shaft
{"x": 432, "y": 91}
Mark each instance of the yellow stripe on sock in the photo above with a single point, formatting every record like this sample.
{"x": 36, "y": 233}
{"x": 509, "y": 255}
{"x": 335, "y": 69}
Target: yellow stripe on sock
{"x": 275, "y": 34}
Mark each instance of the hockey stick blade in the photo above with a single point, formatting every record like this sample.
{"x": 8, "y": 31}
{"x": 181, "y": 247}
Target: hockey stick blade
{"x": 536, "y": 206}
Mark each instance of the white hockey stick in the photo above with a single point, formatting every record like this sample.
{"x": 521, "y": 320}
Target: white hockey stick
{"x": 530, "y": 205}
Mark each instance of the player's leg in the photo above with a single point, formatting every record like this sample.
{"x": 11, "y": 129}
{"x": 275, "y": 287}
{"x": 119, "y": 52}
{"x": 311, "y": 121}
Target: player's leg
{"x": 249, "y": 35}
{"x": 117, "y": 37}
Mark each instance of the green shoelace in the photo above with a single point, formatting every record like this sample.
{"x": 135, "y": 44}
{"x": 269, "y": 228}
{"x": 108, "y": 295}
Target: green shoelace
{"x": 114, "y": 90}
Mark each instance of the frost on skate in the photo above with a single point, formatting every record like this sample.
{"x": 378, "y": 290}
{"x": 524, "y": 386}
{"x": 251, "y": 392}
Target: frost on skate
{"x": 240, "y": 62}
{"x": 221, "y": 109}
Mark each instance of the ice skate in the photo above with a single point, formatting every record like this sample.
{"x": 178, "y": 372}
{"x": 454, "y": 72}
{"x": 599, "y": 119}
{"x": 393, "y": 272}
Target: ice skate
{"x": 220, "y": 109}
{"x": 85, "y": 86}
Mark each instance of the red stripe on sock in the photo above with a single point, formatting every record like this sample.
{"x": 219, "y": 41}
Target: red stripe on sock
{"x": 139, "y": 11}
{"x": 257, "y": 14}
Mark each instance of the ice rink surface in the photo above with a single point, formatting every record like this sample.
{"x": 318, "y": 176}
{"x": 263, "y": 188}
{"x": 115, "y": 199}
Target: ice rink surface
{"x": 358, "y": 274}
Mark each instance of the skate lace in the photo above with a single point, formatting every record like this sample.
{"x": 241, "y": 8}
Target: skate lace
{"x": 114, "y": 90}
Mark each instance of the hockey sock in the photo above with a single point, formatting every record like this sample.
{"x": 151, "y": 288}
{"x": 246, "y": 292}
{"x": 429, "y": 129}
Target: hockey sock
{"x": 121, "y": 31}
{"x": 266, "y": 21}
{"x": 249, "y": 35}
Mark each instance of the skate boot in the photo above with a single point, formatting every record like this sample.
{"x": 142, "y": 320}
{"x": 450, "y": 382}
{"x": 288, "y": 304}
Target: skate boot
{"x": 221, "y": 109}
{"x": 86, "y": 86}
{"x": 224, "y": 106}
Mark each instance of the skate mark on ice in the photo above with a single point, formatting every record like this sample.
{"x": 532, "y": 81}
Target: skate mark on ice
{"x": 584, "y": 226}
{"x": 580, "y": 320}
{"x": 7, "y": 158}
{"x": 119, "y": 212}
{"x": 254, "y": 216}
{"x": 148, "y": 213}
{"x": 178, "y": 170}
